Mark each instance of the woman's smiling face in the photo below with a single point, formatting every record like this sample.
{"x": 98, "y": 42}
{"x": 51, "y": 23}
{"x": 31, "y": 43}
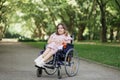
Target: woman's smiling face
{"x": 61, "y": 30}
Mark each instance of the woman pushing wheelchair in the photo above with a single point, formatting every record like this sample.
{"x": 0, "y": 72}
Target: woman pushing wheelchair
{"x": 57, "y": 41}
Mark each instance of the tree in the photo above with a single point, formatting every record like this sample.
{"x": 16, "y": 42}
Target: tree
{"x": 4, "y": 9}
{"x": 85, "y": 18}
{"x": 113, "y": 17}
{"x": 102, "y": 6}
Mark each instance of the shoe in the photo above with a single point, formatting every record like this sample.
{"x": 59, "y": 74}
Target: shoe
{"x": 40, "y": 63}
{"x": 38, "y": 59}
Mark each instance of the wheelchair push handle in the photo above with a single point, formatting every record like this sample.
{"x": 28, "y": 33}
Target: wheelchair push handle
{"x": 66, "y": 44}
{"x": 72, "y": 36}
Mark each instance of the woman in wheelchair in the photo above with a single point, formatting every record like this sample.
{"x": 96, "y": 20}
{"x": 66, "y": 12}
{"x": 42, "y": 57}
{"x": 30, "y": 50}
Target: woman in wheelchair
{"x": 57, "y": 41}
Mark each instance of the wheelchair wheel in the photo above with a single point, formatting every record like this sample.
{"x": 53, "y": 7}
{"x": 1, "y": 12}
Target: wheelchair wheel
{"x": 71, "y": 62}
{"x": 50, "y": 71}
{"x": 39, "y": 72}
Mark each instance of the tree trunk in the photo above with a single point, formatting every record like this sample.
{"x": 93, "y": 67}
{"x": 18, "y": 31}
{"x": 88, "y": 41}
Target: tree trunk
{"x": 80, "y": 33}
{"x": 103, "y": 22}
{"x": 118, "y": 34}
{"x": 102, "y": 6}
{"x": 71, "y": 25}
{"x": 111, "y": 35}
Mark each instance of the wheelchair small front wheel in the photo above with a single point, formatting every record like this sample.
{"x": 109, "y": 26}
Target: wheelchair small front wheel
{"x": 59, "y": 75}
{"x": 39, "y": 72}
{"x": 71, "y": 62}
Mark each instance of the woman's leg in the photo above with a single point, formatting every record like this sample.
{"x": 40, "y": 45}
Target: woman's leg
{"x": 49, "y": 55}
{"x": 41, "y": 60}
{"x": 46, "y": 52}
{"x": 38, "y": 59}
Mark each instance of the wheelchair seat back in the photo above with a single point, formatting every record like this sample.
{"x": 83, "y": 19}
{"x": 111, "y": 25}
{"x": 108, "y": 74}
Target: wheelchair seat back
{"x": 62, "y": 53}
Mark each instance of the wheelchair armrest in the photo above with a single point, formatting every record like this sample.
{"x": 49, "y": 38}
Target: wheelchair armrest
{"x": 68, "y": 46}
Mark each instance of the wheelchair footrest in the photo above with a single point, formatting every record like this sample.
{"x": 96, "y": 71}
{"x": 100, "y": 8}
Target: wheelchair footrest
{"x": 50, "y": 67}
{"x": 38, "y": 67}
{"x": 50, "y": 62}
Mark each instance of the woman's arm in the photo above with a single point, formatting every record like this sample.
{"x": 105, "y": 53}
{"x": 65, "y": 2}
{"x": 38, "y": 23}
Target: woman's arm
{"x": 50, "y": 39}
{"x": 68, "y": 39}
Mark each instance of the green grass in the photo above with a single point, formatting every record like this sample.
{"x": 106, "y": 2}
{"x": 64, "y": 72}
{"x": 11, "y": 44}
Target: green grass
{"x": 109, "y": 55}
{"x": 37, "y": 44}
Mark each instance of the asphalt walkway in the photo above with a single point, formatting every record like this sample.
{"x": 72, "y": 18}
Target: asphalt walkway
{"x": 17, "y": 63}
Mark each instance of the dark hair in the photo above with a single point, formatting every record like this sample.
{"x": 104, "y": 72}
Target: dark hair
{"x": 64, "y": 27}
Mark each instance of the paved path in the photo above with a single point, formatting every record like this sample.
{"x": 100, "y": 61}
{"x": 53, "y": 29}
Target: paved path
{"x": 16, "y": 63}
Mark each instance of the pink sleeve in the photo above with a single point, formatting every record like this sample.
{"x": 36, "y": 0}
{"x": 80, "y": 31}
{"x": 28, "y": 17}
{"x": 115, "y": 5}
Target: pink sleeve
{"x": 52, "y": 35}
{"x": 68, "y": 39}
{"x": 51, "y": 38}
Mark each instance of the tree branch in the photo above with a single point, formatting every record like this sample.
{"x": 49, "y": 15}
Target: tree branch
{"x": 106, "y": 2}
{"x": 117, "y": 3}
{"x": 98, "y": 3}
{"x": 93, "y": 7}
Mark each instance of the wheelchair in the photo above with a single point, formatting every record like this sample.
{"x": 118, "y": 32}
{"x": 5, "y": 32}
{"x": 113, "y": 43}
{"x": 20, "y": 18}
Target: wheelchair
{"x": 67, "y": 57}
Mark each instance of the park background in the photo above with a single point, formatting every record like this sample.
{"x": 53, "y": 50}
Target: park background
{"x": 95, "y": 22}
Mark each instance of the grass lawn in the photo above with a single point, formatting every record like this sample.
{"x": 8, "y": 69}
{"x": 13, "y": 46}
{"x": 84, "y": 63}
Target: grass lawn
{"x": 109, "y": 55}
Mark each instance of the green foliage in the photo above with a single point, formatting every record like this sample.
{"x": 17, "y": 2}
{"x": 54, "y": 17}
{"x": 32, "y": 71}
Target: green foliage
{"x": 39, "y": 17}
{"x": 24, "y": 39}
{"x": 10, "y": 35}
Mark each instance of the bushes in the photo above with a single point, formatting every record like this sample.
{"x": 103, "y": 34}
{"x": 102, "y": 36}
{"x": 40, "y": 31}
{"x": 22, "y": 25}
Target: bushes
{"x": 24, "y": 39}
